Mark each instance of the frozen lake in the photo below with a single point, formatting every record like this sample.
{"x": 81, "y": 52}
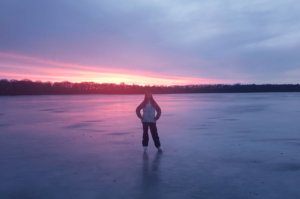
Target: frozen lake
{"x": 89, "y": 146}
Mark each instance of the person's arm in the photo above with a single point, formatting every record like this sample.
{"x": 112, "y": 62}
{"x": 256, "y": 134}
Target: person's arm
{"x": 138, "y": 111}
{"x": 158, "y": 110}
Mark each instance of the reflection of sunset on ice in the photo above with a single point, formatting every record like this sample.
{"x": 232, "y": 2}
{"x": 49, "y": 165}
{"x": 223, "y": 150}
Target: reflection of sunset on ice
{"x": 79, "y": 146}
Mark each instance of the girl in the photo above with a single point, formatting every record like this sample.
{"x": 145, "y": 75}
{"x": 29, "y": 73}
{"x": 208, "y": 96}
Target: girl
{"x": 148, "y": 119}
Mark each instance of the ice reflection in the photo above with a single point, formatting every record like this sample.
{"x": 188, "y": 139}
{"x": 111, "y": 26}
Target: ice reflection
{"x": 151, "y": 180}
{"x": 89, "y": 146}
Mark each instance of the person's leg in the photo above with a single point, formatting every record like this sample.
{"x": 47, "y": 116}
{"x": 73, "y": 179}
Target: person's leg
{"x": 145, "y": 134}
{"x": 154, "y": 134}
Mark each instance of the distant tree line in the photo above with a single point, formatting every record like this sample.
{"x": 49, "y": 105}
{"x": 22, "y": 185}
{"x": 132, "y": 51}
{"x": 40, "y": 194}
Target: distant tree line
{"x": 28, "y": 87}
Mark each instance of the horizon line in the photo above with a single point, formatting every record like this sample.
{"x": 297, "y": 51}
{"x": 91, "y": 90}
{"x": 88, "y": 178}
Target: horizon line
{"x": 145, "y": 85}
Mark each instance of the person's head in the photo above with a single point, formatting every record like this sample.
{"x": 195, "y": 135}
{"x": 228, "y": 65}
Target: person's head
{"x": 148, "y": 95}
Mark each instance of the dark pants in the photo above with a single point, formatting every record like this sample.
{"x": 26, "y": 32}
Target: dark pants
{"x": 154, "y": 134}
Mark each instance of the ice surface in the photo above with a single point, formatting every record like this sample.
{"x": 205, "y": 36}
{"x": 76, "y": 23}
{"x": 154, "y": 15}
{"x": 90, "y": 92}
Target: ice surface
{"x": 89, "y": 146}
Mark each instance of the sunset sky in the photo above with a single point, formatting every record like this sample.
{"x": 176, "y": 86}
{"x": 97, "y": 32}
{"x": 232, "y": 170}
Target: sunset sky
{"x": 161, "y": 42}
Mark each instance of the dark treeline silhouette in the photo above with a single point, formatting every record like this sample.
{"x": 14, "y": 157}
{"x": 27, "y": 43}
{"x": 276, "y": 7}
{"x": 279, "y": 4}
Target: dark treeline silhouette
{"x": 28, "y": 87}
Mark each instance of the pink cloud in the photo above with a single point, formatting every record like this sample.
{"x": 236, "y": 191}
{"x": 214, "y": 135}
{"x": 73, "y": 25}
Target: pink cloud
{"x": 14, "y": 66}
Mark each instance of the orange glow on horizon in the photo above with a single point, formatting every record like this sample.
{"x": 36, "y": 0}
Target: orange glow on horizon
{"x": 46, "y": 70}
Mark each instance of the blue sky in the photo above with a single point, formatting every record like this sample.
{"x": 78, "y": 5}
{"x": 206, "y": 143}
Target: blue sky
{"x": 151, "y": 42}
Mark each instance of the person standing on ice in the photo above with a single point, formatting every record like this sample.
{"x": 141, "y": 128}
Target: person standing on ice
{"x": 149, "y": 119}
